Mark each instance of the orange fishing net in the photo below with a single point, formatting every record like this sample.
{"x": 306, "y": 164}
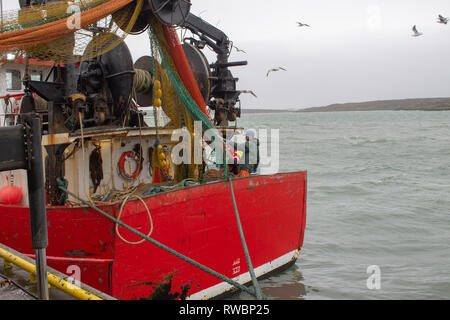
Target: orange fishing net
{"x": 58, "y": 40}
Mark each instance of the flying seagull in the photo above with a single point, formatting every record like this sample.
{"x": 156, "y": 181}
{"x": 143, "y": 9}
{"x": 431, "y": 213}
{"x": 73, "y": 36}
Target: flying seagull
{"x": 275, "y": 70}
{"x": 442, "y": 19}
{"x": 416, "y": 33}
{"x": 303, "y": 24}
{"x": 239, "y": 50}
{"x": 249, "y": 91}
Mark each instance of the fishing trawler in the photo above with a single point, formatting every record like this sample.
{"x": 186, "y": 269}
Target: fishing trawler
{"x": 103, "y": 155}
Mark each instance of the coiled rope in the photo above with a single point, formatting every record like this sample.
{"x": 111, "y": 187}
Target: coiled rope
{"x": 169, "y": 250}
{"x": 142, "y": 81}
{"x": 120, "y": 215}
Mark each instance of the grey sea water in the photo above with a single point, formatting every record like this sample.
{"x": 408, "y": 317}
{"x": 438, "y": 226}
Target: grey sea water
{"x": 378, "y": 195}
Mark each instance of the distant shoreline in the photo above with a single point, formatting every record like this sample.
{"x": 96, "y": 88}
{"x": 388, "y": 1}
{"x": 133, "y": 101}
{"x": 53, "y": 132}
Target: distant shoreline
{"x": 246, "y": 111}
{"x": 428, "y": 104}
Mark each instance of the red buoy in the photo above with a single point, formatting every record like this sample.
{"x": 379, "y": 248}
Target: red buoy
{"x": 11, "y": 195}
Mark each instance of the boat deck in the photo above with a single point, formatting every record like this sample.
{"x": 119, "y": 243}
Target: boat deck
{"x": 16, "y": 283}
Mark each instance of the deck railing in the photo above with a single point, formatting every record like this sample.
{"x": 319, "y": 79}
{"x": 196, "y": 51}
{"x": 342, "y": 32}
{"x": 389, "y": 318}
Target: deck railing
{"x": 10, "y": 109}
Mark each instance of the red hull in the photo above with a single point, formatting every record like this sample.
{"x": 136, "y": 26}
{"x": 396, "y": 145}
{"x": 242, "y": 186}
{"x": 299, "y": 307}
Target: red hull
{"x": 198, "y": 222}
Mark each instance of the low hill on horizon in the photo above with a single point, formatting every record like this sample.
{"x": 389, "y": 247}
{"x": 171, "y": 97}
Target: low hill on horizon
{"x": 244, "y": 110}
{"x": 426, "y": 104}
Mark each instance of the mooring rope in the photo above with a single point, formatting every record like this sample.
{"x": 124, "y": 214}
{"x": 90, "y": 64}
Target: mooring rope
{"x": 169, "y": 250}
{"x": 120, "y": 215}
{"x": 244, "y": 244}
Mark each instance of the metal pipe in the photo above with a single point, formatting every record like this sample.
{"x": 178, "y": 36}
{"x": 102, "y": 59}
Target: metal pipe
{"x": 38, "y": 213}
{"x": 41, "y": 271}
{"x": 229, "y": 64}
{"x": 16, "y": 95}
{"x": 55, "y": 281}
{"x": 160, "y": 245}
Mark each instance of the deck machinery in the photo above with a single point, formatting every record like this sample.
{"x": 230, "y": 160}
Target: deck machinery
{"x": 100, "y": 89}
{"x": 100, "y": 92}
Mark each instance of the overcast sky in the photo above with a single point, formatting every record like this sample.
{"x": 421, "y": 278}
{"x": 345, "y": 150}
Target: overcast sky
{"x": 355, "y": 50}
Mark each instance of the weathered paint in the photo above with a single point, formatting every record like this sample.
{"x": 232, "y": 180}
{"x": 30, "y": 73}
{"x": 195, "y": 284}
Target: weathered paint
{"x": 54, "y": 280}
{"x": 223, "y": 288}
{"x": 85, "y": 229}
{"x": 197, "y": 221}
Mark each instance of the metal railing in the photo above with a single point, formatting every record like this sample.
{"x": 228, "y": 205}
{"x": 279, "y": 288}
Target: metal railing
{"x": 10, "y": 109}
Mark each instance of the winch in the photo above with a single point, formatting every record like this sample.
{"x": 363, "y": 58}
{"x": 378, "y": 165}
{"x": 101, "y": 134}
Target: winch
{"x": 100, "y": 91}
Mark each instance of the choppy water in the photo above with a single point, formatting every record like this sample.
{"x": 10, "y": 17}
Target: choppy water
{"x": 378, "y": 194}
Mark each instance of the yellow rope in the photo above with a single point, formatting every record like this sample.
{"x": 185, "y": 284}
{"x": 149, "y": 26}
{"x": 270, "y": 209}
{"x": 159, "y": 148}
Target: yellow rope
{"x": 120, "y": 215}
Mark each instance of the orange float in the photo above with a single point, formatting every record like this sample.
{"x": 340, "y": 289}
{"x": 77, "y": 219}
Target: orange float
{"x": 11, "y": 195}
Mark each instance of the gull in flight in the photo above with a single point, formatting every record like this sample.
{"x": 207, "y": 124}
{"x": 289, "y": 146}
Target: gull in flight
{"x": 239, "y": 50}
{"x": 442, "y": 19}
{"x": 416, "y": 33}
{"x": 303, "y": 24}
{"x": 275, "y": 70}
{"x": 249, "y": 91}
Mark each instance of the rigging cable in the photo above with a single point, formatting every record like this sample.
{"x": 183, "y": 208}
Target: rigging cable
{"x": 244, "y": 245}
{"x": 169, "y": 250}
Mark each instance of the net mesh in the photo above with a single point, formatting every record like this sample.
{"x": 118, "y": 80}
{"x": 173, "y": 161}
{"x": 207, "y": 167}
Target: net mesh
{"x": 43, "y": 33}
{"x": 178, "y": 104}
{"x": 166, "y": 71}
{"x": 68, "y": 31}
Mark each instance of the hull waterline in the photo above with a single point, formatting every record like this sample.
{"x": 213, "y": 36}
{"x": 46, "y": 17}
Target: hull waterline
{"x": 197, "y": 221}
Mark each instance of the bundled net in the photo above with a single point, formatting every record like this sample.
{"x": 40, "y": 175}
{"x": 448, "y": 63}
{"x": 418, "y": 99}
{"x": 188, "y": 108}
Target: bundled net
{"x": 46, "y": 33}
{"x": 68, "y": 31}
{"x": 178, "y": 104}
{"x": 176, "y": 94}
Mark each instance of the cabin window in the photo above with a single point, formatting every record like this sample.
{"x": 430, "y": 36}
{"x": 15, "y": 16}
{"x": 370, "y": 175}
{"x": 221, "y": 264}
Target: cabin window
{"x": 36, "y": 76}
{"x": 13, "y": 80}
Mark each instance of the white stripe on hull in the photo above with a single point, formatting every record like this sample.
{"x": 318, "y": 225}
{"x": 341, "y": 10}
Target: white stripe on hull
{"x": 224, "y": 287}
